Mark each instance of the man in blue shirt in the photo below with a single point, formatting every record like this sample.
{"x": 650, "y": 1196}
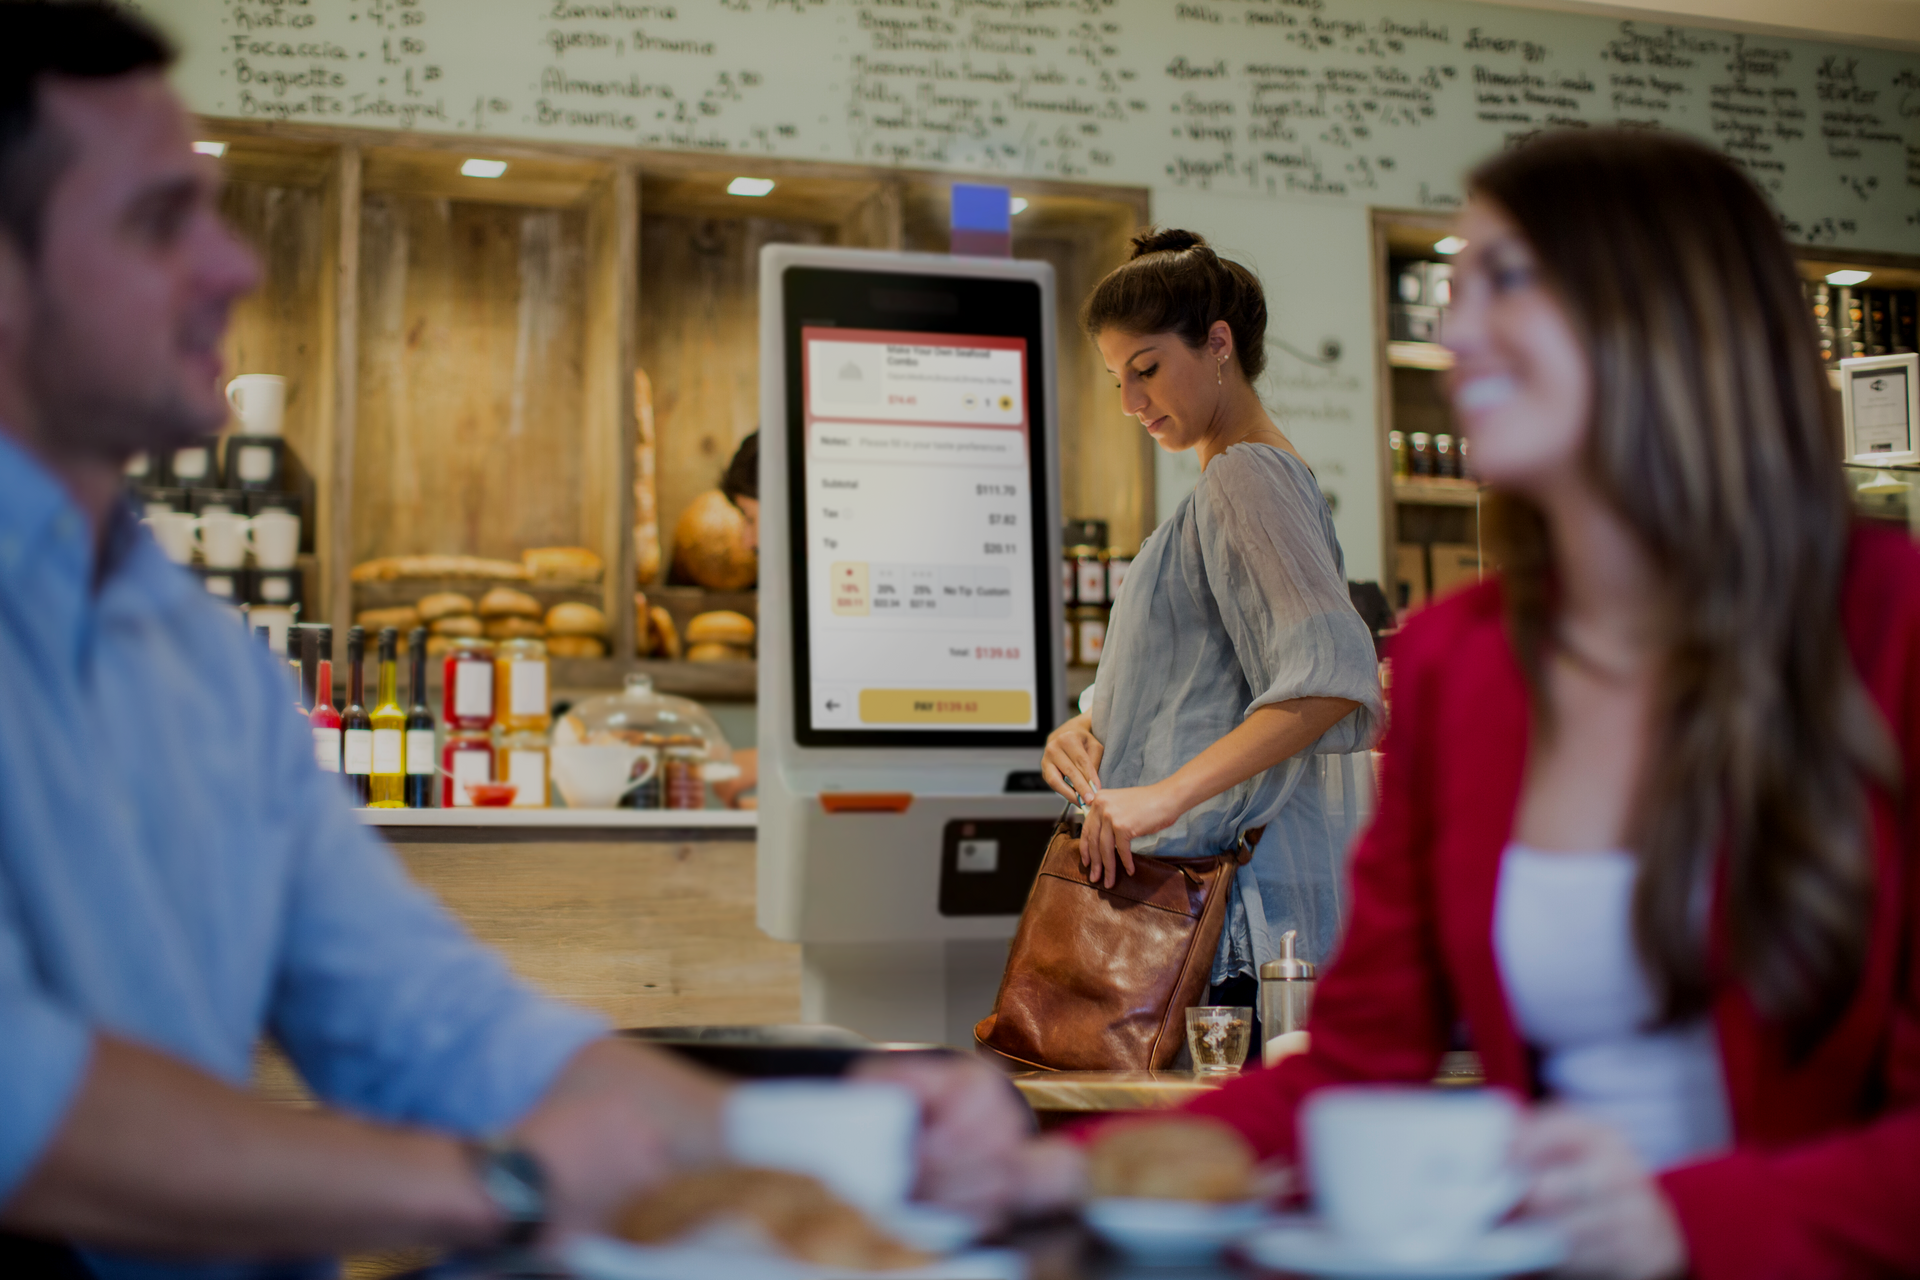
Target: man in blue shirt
{"x": 177, "y": 879}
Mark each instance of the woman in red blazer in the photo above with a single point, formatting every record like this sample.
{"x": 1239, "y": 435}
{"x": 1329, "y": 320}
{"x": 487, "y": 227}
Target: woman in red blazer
{"x": 1641, "y": 840}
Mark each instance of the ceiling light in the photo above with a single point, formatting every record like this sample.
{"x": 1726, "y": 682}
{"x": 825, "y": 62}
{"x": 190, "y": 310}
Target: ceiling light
{"x": 1844, "y": 278}
{"x": 1019, "y": 204}
{"x": 1450, "y": 244}
{"x": 749, "y": 186}
{"x": 483, "y": 168}
{"x": 214, "y": 149}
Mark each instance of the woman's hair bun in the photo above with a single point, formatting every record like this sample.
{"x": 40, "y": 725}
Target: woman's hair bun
{"x": 1166, "y": 240}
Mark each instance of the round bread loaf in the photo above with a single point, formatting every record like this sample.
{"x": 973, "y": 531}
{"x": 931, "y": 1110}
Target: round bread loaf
{"x": 576, "y": 647}
{"x": 402, "y": 618}
{"x": 710, "y": 544}
{"x": 514, "y": 628}
{"x": 708, "y": 651}
{"x": 443, "y": 604}
{"x": 721, "y": 626}
{"x": 457, "y": 625}
{"x": 570, "y": 619}
{"x": 1183, "y": 1158}
{"x": 505, "y": 602}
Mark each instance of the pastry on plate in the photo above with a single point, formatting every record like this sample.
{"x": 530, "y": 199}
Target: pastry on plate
{"x": 505, "y": 602}
{"x": 443, "y": 604}
{"x": 796, "y": 1214}
{"x": 1171, "y": 1158}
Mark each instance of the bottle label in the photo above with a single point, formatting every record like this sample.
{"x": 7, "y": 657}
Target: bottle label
{"x": 326, "y": 750}
{"x": 389, "y": 747}
{"x": 473, "y": 690}
{"x": 529, "y": 689}
{"x": 527, "y": 770}
{"x": 420, "y": 751}
{"x": 359, "y": 750}
{"x": 1093, "y": 640}
{"x": 1093, "y": 581}
{"x": 470, "y": 766}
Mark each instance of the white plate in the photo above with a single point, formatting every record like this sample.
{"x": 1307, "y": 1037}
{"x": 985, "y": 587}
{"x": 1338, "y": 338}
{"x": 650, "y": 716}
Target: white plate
{"x": 1171, "y": 1231}
{"x": 598, "y": 1258}
{"x": 928, "y": 1227}
{"x": 1305, "y": 1246}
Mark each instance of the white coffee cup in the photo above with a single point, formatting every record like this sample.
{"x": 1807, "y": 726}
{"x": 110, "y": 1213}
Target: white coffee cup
{"x": 595, "y": 777}
{"x": 221, "y": 537}
{"x": 275, "y": 539}
{"x": 857, "y": 1138}
{"x": 173, "y": 530}
{"x": 259, "y": 400}
{"x": 1411, "y": 1175}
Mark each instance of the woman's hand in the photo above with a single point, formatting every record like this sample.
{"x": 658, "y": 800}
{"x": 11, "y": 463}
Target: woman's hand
{"x": 1583, "y": 1176}
{"x": 1116, "y": 818}
{"x": 1071, "y": 765}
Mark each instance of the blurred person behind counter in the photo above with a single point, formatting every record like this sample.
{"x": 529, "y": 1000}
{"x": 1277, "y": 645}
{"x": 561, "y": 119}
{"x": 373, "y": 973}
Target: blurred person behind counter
{"x": 1237, "y": 678}
{"x": 177, "y": 879}
{"x": 1646, "y": 828}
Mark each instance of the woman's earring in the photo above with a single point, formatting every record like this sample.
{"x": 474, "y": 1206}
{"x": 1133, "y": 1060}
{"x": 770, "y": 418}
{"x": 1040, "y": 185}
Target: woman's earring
{"x": 1218, "y": 379}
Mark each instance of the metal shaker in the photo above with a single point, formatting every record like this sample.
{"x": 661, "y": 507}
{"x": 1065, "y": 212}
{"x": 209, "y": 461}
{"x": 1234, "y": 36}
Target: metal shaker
{"x": 1286, "y": 994}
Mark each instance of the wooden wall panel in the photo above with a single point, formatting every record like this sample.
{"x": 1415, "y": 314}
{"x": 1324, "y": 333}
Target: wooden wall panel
{"x": 700, "y": 344}
{"x": 472, "y": 339}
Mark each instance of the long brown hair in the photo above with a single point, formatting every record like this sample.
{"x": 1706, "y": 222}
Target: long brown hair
{"x": 1714, "y": 438}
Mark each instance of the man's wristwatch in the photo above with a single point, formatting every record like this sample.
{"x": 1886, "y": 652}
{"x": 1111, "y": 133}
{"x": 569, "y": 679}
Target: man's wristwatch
{"x": 516, "y": 1184}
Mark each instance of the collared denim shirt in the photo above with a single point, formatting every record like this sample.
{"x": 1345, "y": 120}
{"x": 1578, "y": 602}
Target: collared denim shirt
{"x": 176, "y": 871}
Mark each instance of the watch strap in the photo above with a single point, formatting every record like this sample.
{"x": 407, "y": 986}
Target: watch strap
{"x": 516, "y": 1182}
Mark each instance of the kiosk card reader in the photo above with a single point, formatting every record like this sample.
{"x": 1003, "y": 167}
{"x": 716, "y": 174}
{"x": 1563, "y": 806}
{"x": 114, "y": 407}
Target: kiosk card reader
{"x": 910, "y": 660}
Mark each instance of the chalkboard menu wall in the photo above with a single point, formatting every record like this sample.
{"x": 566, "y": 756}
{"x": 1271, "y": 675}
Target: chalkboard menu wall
{"x": 1309, "y": 110}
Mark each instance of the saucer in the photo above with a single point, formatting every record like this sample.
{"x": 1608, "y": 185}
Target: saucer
{"x": 1304, "y": 1245}
{"x": 928, "y": 1227}
{"x": 1162, "y": 1232}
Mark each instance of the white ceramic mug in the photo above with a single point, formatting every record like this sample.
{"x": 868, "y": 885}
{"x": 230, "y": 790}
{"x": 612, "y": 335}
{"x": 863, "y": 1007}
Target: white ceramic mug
{"x": 173, "y": 530}
{"x": 221, "y": 537}
{"x": 857, "y": 1138}
{"x": 1411, "y": 1175}
{"x": 595, "y": 777}
{"x": 275, "y": 539}
{"x": 259, "y": 400}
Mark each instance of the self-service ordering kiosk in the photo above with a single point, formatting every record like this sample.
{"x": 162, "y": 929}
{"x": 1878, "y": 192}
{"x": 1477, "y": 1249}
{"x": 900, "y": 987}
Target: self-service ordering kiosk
{"x": 910, "y": 637}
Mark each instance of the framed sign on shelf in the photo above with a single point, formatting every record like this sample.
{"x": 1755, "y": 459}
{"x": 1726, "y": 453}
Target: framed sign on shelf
{"x": 1880, "y": 398}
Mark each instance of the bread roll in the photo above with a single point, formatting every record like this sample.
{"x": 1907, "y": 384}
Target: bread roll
{"x": 1171, "y": 1158}
{"x": 576, "y": 620}
{"x": 461, "y": 624}
{"x": 710, "y": 545}
{"x": 387, "y": 568}
{"x": 796, "y": 1214}
{"x": 562, "y": 564}
{"x": 439, "y": 646}
{"x": 513, "y": 628}
{"x": 666, "y": 637}
{"x": 721, "y": 626}
{"x": 505, "y": 602}
{"x": 642, "y": 639}
{"x": 402, "y": 618}
{"x": 443, "y": 604}
{"x": 576, "y": 647}
{"x": 708, "y": 651}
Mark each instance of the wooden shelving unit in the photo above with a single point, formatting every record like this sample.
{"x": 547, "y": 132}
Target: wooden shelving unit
{"x": 460, "y": 351}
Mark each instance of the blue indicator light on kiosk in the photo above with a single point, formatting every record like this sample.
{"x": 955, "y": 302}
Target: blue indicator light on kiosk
{"x": 982, "y": 221}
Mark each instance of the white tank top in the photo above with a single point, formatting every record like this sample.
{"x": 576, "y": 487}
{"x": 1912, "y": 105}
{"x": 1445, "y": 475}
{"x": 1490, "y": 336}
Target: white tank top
{"x": 1563, "y": 934}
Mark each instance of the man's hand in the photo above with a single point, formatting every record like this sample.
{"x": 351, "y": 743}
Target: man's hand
{"x": 973, "y": 1126}
{"x": 1071, "y": 763}
{"x": 618, "y": 1119}
{"x": 1116, "y": 819}
{"x": 1584, "y": 1177}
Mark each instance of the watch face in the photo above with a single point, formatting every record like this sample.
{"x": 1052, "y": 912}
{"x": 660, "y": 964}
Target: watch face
{"x": 517, "y": 1185}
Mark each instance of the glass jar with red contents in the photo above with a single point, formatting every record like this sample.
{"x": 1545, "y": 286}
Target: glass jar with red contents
{"x": 466, "y": 686}
{"x": 467, "y": 757}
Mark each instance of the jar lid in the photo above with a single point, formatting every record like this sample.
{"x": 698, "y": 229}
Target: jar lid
{"x": 1289, "y": 967}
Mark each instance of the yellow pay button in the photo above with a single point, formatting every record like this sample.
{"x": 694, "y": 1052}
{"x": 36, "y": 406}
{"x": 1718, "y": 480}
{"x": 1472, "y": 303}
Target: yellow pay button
{"x": 946, "y": 706}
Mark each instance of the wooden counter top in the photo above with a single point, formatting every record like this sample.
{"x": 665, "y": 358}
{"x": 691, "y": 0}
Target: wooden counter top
{"x": 1112, "y": 1090}
{"x": 511, "y": 826}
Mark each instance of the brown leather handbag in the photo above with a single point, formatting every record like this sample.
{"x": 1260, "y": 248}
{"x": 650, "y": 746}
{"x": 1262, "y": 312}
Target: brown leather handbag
{"x": 1100, "y": 979}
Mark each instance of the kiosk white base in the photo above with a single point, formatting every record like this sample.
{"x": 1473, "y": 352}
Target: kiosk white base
{"x": 925, "y": 992}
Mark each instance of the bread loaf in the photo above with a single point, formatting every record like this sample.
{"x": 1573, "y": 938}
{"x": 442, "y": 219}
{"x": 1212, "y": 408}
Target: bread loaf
{"x": 721, "y": 626}
{"x": 562, "y": 564}
{"x": 711, "y": 547}
{"x": 460, "y": 624}
{"x": 443, "y": 604}
{"x": 505, "y": 602}
{"x": 513, "y": 628}
{"x": 571, "y": 619}
{"x": 708, "y": 651}
{"x": 388, "y": 568}
{"x": 576, "y": 647}
{"x": 666, "y": 637}
{"x": 403, "y": 618}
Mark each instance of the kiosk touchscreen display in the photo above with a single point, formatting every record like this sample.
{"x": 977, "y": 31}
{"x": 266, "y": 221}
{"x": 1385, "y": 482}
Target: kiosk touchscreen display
{"x": 916, "y": 510}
